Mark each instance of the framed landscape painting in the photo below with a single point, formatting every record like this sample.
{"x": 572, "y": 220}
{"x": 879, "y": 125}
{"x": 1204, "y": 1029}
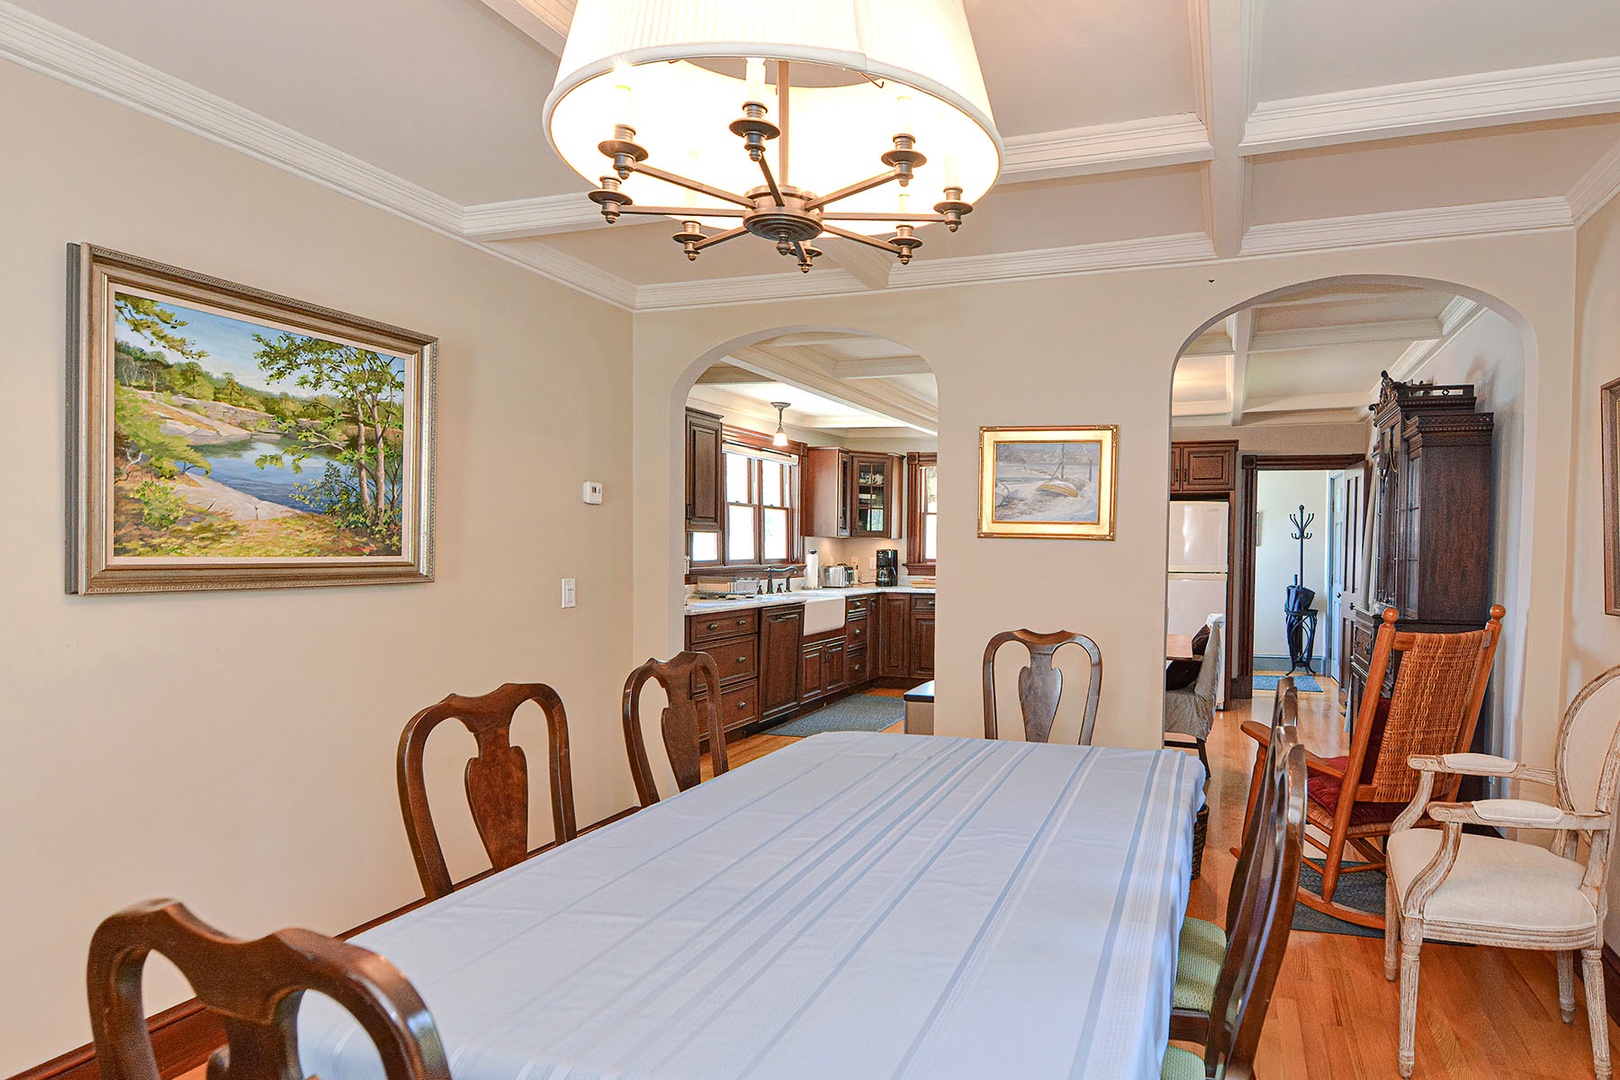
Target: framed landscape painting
{"x": 1610, "y": 394}
{"x": 221, "y": 437}
{"x": 1048, "y": 482}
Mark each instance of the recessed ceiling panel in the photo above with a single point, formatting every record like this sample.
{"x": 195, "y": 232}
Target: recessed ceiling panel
{"x": 1314, "y": 48}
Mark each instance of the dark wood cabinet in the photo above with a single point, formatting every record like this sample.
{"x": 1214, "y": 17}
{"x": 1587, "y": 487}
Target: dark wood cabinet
{"x": 922, "y": 637}
{"x": 852, "y": 494}
{"x": 1431, "y": 517}
{"x": 1203, "y": 468}
{"x": 834, "y": 671}
{"x": 812, "y": 674}
{"x": 894, "y": 636}
{"x": 705, "y": 478}
{"x": 780, "y": 632}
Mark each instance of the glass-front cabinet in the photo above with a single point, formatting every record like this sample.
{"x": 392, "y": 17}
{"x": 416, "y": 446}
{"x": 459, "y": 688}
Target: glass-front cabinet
{"x": 875, "y": 494}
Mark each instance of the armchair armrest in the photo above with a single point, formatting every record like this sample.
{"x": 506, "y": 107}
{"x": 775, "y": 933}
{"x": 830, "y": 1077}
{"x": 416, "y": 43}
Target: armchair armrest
{"x": 1319, "y": 765}
{"x": 1516, "y": 814}
{"x": 1260, "y": 733}
{"x": 1481, "y": 765}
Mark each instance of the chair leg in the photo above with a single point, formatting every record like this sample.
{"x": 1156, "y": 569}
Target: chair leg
{"x": 1597, "y": 1013}
{"x": 1392, "y": 930}
{"x": 1209, "y": 773}
{"x": 1566, "y": 985}
{"x": 1411, "y": 944}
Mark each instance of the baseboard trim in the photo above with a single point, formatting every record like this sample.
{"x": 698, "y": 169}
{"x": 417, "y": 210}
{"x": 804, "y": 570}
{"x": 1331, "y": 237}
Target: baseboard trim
{"x": 184, "y": 1036}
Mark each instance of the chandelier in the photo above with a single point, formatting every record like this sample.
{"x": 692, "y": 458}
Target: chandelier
{"x": 786, "y": 119}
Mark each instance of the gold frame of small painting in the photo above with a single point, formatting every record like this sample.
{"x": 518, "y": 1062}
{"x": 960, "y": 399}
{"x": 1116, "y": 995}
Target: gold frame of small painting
{"x": 1048, "y": 483}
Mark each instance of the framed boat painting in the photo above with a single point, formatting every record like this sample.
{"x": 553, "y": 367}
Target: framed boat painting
{"x": 220, "y": 437}
{"x": 1048, "y": 482}
{"x": 1610, "y": 394}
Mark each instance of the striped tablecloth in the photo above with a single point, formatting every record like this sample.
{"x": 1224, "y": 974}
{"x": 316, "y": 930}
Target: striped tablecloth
{"x": 855, "y": 905}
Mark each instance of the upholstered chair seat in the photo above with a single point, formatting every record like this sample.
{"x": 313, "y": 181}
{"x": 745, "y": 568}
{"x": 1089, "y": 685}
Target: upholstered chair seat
{"x": 1495, "y": 882}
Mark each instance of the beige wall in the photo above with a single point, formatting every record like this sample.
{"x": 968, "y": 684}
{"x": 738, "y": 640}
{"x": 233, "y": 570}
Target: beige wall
{"x": 235, "y": 750}
{"x": 992, "y": 349}
{"x": 1592, "y": 638}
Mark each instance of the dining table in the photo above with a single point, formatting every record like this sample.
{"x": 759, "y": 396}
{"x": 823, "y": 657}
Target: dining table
{"x": 855, "y": 905}
{"x": 1179, "y": 647}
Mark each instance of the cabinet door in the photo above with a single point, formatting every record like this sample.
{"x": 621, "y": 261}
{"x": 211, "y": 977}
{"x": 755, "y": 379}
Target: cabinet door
{"x": 875, "y": 498}
{"x": 922, "y": 645}
{"x": 811, "y": 684}
{"x": 894, "y": 636}
{"x": 703, "y": 465}
{"x": 824, "y": 489}
{"x": 1208, "y": 467}
{"x": 835, "y": 676}
{"x": 1178, "y": 462}
{"x": 780, "y": 659}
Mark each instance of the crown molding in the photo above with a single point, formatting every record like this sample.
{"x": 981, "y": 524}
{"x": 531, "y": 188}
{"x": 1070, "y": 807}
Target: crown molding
{"x": 1487, "y": 99}
{"x": 53, "y": 50}
{"x": 1401, "y": 226}
{"x": 1454, "y": 319}
{"x": 1150, "y": 143}
{"x": 521, "y": 218}
{"x": 1593, "y": 190}
{"x": 1152, "y": 252}
{"x": 545, "y": 21}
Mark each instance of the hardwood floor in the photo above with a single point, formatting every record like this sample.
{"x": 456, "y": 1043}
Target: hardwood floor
{"x": 1482, "y": 1013}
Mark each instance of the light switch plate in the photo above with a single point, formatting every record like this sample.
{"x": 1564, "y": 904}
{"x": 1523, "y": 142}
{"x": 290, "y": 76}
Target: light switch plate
{"x": 567, "y": 592}
{"x": 593, "y": 492}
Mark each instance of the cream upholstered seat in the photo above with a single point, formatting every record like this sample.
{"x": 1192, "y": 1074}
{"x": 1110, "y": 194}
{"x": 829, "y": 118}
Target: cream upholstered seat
{"x": 1495, "y": 882}
{"x": 1487, "y": 890}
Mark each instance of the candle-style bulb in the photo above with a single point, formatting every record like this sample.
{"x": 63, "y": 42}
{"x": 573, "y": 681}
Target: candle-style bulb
{"x": 754, "y": 81}
{"x": 622, "y": 96}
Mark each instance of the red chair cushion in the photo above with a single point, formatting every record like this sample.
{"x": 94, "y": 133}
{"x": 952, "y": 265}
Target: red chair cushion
{"x": 1324, "y": 791}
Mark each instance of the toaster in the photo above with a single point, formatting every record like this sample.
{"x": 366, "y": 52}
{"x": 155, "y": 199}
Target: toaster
{"x": 837, "y": 577}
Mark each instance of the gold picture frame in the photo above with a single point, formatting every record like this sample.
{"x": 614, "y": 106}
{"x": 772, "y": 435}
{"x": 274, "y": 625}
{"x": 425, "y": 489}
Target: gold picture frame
{"x": 1610, "y": 394}
{"x": 222, "y": 437}
{"x": 1054, "y": 483}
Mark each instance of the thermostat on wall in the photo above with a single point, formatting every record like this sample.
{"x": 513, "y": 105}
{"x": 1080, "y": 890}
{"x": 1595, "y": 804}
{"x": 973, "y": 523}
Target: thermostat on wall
{"x": 593, "y": 492}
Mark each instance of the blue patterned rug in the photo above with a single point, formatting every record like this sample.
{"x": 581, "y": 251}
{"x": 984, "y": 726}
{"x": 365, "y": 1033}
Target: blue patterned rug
{"x": 1302, "y": 683}
{"x": 858, "y": 712}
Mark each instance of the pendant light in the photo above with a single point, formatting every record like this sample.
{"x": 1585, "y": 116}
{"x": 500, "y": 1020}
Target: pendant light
{"x": 780, "y": 438}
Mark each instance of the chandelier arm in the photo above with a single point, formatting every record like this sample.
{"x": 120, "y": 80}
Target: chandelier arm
{"x": 770, "y": 180}
{"x": 683, "y": 212}
{"x": 719, "y": 238}
{"x": 854, "y": 189}
{"x": 869, "y": 215}
{"x": 691, "y": 185}
{"x": 861, "y": 238}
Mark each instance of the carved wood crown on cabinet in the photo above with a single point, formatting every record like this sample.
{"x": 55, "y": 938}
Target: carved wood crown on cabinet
{"x": 1200, "y": 468}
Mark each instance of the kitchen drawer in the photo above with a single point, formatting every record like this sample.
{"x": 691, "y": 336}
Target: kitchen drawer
{"x": 922, "y": 602}
{"x": 739, "y": 704}
{"x": 857, "y": 607}
{"x": 857, "y": 632}
{"x": 737, "y": 658}
{"x": 719, "y": 624}
{"x": 858, "y": 669}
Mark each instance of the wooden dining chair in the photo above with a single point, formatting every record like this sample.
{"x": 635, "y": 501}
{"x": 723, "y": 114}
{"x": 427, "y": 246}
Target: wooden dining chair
{"x": 1040, "y": 685}
{"x": 254, "y": 987}
{"x": 1201, "y": 949}
{"x": 1190, "y": 712}
{"x": 1432, "y": 709}
{"x": 496, "y": 778}
{"x": 1259, "y": 937}
{"x": 1489, "y": 890}
{"x": 685, "y": 719}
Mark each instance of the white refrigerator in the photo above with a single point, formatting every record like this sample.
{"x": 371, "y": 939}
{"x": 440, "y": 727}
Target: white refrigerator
{"x": 1197, "y": 571}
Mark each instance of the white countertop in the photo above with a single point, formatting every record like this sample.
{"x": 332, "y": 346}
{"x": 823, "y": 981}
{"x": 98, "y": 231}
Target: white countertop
{"x": 704, "y": 607}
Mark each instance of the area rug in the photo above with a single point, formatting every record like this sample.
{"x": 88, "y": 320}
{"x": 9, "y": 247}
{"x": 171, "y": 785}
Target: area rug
{"x": 1362, "y": 891}
{"x": 858, "y": 712}
{"x": 1302, "y": 683}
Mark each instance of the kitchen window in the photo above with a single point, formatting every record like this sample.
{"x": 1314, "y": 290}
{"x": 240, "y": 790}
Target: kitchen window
{"x": 760, "y": 524}
{"x": 922, "y": 513}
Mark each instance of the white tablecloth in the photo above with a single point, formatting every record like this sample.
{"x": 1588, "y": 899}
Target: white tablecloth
{"x": 852, "y": 906}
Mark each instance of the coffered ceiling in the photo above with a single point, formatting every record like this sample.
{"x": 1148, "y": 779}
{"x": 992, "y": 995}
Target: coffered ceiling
{"x": 1138, "y": 132}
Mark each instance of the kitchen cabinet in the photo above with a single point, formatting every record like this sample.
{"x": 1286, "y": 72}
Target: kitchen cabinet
{"x": 731, "y": 638}
{"x": 780, "y": 634}
{"x": 922, "y": 637}
{"x": 704, "y": 469}
{"x": 1203, "y": 468}
{"x": 894, "y": 636}
{"x": 852, "y": 494}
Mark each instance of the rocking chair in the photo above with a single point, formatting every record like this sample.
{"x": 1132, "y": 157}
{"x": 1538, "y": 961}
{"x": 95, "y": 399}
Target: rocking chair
{"x": 1432, "y": 710}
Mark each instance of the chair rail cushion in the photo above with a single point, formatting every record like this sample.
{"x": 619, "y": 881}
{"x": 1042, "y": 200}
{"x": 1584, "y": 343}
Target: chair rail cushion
{"x": 1495, "y": 883}
{"x": 1518, "y": 812}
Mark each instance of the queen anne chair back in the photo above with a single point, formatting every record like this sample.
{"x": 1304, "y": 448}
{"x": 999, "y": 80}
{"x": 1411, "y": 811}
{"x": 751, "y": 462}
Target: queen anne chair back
{"x": 1040, "y": 685}
{"x": 684, "y": 722}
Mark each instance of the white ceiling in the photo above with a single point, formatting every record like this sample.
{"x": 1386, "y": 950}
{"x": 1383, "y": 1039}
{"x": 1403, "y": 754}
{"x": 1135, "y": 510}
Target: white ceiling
{"x": 1139, "y": 132}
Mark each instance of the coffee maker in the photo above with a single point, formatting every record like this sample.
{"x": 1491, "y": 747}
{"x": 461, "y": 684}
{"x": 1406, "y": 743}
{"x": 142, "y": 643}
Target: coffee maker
{"x": 888, "y": 566}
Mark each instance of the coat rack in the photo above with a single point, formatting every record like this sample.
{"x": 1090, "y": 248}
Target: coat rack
{"x": 1298, "y": 615}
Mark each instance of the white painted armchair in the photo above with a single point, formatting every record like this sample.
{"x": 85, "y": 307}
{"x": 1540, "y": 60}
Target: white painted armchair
{"x": 1491, "y": 891}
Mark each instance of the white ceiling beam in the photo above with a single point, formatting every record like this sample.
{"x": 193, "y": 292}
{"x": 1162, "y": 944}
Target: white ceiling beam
{"x": 1453, "y": 321}
{"x": 1227, "y": 49}
{"x": 868, "y": 265}
{"x": 1153, "y": 142}
{"x": 1240, "y": 328}
{"x": 1346, "y": 399}
{"x": 1398, "y": 226}
{"x": 881, "y": 368}
{"x": 545, "y": 21}
{"x": 1456, "y": 103}
{"x": 1357, "y": 333}
{"x": 804, "y": 369}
